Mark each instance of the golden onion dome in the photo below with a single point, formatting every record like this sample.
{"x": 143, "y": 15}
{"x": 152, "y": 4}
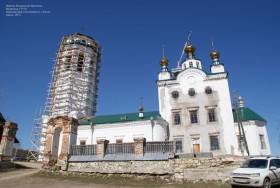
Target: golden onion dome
{"x": 141, "y": 109}
{"x": 189, "y": 49}
{"x": 240, "y": 98}
{"x": 215, "y": 55}
{"x": 163, "y": 61}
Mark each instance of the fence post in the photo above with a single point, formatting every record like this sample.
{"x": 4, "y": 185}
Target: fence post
{"x": 139, "y": 146}
{"x": 101, "y": 147}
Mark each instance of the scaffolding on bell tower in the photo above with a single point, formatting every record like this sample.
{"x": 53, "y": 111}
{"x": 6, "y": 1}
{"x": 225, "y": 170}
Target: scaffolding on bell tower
{"x": 73, "y": 88}
{"x": 37, "y": 137}
{"x": 75, "y": 80}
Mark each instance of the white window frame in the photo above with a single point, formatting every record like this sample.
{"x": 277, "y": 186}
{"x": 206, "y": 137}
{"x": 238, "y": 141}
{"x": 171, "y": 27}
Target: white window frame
{"x": 262, "y": 141}
{"x": 182, "y": 145}
{"x": 214, "y": 107}
{"x": 213, "y": 113}
{"x": 174, "y": 118}
{"x": 218, "y": 139}
{"x": 196, "y": 115}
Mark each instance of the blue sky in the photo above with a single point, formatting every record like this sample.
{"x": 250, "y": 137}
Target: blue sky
{"x": 132, "y": 33}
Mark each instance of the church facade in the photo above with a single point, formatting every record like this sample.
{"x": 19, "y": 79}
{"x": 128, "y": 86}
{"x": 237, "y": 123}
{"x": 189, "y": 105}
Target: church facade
{"x": 195, "y": 112}
{"x": 197, "y": 105}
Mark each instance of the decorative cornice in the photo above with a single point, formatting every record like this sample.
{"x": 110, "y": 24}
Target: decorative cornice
{"x": 117, "y": 125}
{"x": 252, "y": 122}
{"x": 84, "y": 127}
{"x": 191, "y": 71}
{"x": 247, "y": 123}
{"x": 217, "y": 76}
{"x": 211, "y": 106}
{"x": 62, "y": 121}
{"x": 168, "y": 83}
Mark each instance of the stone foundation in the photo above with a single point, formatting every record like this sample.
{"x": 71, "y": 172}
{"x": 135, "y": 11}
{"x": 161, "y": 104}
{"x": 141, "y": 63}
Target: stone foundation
{"x": 131, "y": 167}
{"x": 186, "y": 169}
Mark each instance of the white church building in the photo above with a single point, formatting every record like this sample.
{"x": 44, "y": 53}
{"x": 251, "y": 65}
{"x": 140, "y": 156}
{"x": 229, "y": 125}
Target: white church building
{"x": 195, "y": 112}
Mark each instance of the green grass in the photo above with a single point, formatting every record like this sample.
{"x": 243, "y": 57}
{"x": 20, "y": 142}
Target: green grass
{"x": 126, "y": 180}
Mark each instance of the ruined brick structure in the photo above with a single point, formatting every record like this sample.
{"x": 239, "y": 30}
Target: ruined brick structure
{"x": 61, "y": 133}
{"x": 7, "y": 136}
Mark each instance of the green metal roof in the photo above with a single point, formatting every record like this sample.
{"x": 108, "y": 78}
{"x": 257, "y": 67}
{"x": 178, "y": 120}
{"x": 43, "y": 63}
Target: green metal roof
{"x": 247, "y": 114}
{"x": 126, "y": 117}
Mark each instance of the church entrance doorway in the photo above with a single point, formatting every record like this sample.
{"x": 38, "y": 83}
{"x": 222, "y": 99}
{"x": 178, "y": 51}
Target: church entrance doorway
{"x": 196, "y": 148}
{"x": 57, "y": 142}
{"x": 196, "y": 145}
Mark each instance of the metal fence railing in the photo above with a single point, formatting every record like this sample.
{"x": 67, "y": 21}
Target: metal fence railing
{"x": 83, "y": 150}
{"x": 155, "y": 147}
{"x": 120, "y": 148}
{"x": 123, "y": 148}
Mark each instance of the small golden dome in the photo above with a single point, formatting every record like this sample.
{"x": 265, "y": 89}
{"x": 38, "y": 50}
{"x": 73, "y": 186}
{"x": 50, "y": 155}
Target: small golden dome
{"x": 189, "y": 49}
{"x": 141, "y": 109}
{"x": 163, "y": 61}
{"x": 240, "y": 98}
{"x": 215, "y": 55}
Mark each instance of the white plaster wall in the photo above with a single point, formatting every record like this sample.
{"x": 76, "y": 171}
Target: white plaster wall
{"x": 262, "y": 129}
{"x": 159, "y": 131}
{"x": 84, "y": 133}
{"x": 227, "y": 121}
{"x": 163, "y": 97}
{"x": 252, "y": 131}
{"x": 217, "y": 68}
{"x": 224, "y": 127}
{"x": 125, "y": 131}
{"x": 164, "y": 76}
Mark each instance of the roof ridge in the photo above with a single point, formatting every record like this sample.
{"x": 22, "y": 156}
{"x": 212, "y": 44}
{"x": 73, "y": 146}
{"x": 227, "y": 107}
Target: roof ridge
{"x": 125, "y": 113}
{"x": 122, "y": 117}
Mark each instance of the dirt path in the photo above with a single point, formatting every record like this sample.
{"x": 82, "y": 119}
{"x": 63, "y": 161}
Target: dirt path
{"x": 31, "y": 169}
{"x": 23, "y": 178}
{"x": 33, "y": 182}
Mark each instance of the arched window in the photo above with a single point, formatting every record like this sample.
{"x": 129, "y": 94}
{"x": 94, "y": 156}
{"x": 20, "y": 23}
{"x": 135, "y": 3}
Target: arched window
{"x": 193, "y": 116}
{"x": 197, "y": 64}
{"x": 191, "y": 64}
{"x": 177, "y": 118}
{"x": 212, "y": 115}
